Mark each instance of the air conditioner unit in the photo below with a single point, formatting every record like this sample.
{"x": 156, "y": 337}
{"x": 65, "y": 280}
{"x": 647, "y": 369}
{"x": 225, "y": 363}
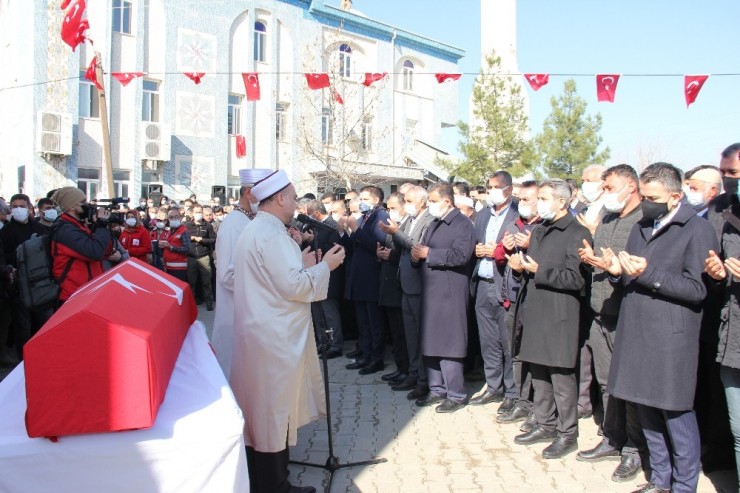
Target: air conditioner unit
{"x": 155, "y": 141}
{"x": 54, "y": 133}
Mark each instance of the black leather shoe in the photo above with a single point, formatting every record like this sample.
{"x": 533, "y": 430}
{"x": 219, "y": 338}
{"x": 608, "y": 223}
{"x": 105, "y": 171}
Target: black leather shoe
{"x": 651, "y": 488}
{"x": 354, "y": 354}
{"x": 600, "y": 452}
{"x": 516, "y": 414}
{"x": 372, "y": 368}
{"x": 584, "y": 414}
{"x": 449, "y": 406}
{"x": 400, "y": 378}
{"x": 209, "y": 306}
{"x": 302, "y": 489}
{"x": 507, "y": 406}
{"x": 419, "y": 392}
{"x": 360, "y": 363}
{"x": 430, "y": 399}
{"x": 486, "y": 398}
{"x": 408, "y": 384}
{"x": 332, "y": 353}
{"x": 561, "y": 447}
{"x": 390, "y": 376}
{"x": 529, "y": 423}
{"x": 627, "y": 469}
{"x": 538, "y": 434}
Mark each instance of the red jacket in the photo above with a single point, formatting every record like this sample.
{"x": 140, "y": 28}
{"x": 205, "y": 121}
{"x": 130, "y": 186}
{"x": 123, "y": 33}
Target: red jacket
{"x": 176, "y": 257}
{"x": 137, "y": 242}
{"x": 73, "y": 244}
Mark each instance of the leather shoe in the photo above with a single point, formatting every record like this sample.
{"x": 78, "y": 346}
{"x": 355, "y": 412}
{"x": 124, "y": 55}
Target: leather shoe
{"x": 331, "y": 354}
{"x": 538, "y": 434}
{"x": 400, "y": 378}
{"x": 561, "y": 447}
{"x": 486, "y": 398}
{"x": 209, "y": 306}
{"x": 430, "y": 399}
{"x": 651, "y": 488}
{"x": 419, "y": 392}
{"x": 627, "y": 469}
{"x": 408, "y": 383}
{"x": 354, "y": 354}
{"x": 584, "y": 414}
{"x": 600, "y": 452}
{"x": 302, "y": 489}
{"x": 517, "y": 413}
{"x": 372, "y": 368}
{"x": 449, "y": 406}
{"x": 390, "y": 376}
{"x": 360, "y": 363}
{"x": 529, "y": 423}
{"x": 507, "y": 406}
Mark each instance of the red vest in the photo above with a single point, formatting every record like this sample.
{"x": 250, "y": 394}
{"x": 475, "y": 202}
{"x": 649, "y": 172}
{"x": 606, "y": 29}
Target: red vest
{"x": 174, "y": 260}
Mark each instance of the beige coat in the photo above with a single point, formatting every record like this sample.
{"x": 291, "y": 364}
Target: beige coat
{"x": 275, "y": 371}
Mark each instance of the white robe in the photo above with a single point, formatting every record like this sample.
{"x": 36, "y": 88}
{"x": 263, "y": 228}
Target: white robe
{"x": 223, "y": 323}
{"x": 275, "y": 371}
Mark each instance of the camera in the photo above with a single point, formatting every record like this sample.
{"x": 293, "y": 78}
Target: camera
{"x": 302, "y": 227}
{"x": 111, "y": 205}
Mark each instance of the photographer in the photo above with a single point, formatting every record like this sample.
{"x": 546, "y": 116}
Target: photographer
{"x": 77, "y": 250}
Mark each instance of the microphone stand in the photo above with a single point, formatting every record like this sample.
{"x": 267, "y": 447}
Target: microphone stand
{"x": 332, "y": 463}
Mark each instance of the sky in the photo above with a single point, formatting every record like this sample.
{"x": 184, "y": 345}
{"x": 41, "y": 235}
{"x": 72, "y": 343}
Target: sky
{"x": 649, "y": 120}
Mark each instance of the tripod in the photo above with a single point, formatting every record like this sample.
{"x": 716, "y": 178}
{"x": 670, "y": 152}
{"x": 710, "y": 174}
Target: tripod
{"x": 332, "y": 462}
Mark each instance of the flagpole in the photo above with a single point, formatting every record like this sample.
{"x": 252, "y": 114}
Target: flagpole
{"x": 107, "y": 166}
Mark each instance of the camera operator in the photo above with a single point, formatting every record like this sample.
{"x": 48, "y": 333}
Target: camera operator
{"x": 77, "y": 250}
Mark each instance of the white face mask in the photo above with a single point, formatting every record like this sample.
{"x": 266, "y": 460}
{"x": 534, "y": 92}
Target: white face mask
{"x": 357, "y": 215}
{"x": 435, "y": 209}
{"x": 479, "y": 206}
{"x": 545, "y": 210}
{"x": 591, "y": 190}
{"x": 612, "y": 202}
{"x": 495, "y": 197}
{"x": 525, "y": 211}
{"x": 160, "y": 224}
{"x": 50, "y": 215}
{"x": 198, "y": 217}
{"x": 694, "y": 198}
{"x": 131, "y": 222}
{"x": 20, "y": 214}
{"x": 395, "y": 216}
{"x": 174, "y": 223}
{"x": 255, "y": 206}
{"x": 410, "y": 209}
{"x": 336, "y": 216}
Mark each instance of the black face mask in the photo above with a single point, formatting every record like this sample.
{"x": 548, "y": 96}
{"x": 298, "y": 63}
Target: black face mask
{"x": 730, "y": 185}
{"x": 654, "y": 210}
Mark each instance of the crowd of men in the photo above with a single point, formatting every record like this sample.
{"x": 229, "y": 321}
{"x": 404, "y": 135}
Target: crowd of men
{"x": 614, "y": 299}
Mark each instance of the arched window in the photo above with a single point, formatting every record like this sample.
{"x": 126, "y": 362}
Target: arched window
{"x": 408, "y": 75}
{"x": 260, "y": 41}
{"x": 345, "y": 61}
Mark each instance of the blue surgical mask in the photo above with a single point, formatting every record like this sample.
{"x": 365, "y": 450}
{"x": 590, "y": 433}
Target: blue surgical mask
{"x": 365, "y": 207}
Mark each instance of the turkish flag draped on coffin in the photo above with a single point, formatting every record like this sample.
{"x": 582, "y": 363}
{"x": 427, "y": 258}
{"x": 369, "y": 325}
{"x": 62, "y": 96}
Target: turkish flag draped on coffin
{"x": 103, "y": 361}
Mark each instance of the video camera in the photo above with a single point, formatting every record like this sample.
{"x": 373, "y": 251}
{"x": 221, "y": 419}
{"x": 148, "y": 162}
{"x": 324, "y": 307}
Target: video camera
{"x": 111, "y": 205}
{"x": 300, "y": 226}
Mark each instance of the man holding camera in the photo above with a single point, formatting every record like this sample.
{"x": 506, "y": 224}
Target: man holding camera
{"x": 77, "y": 250}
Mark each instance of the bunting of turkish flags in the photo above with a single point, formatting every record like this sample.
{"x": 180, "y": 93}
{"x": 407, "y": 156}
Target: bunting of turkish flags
{"x": 195, "y": 76}
{"x": 606, "y": 87}
{"x": 125, "y": 77}
{"x": 317, "y": 81}
{"x": 241, "y": 146}
{"x": 73, "y": 26}
{"x": 91, "y": 73}
{"x": 537, "y": 81}
{"x": 372, "y": 77}
{"x": 337, "y": 97}
{"x": 692, "y": 84}
{"x": 441, "y": 77}
{"x": 252, "y": 85}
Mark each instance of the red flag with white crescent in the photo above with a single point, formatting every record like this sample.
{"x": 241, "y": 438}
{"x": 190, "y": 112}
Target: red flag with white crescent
{"x": 442, "y": 77}
{"x": 537, "y": 81}
{"x": 73, "y": 26}
{"x": 692, "y": 84}
{"x": 372, "y": 77}
{"x": 125, "y": 77}
{"x": 195, "y": 76}
{"x": 91, "y": 73}
{"x": 606, "y": 87}
{"x": 317, "y": 81}
{"x": 65, "y": 4}
{"x": 337, "y": 97}
{"x": 252, "y": 85}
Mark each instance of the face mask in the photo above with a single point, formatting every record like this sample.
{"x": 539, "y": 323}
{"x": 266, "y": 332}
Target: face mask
{"x": 219, "y": 218}
{"x": 160, "y": 225}
{"x": 525, "y": 211}
{"x": 495, "y": 197}
{"x": 591, "y": 190}
{"x": 198, "y": 217}
{"x": 356, "y": 215}
{"x": 174, "y": 223}
{"x": 435, "y": 209}
{"x": 410, "y": 209}
{"x": 50, "y": 215}
{"x": 695, "y": 198}
{"x": 395, "y": 216}
{"x": 131, "y": 222}
{"x": 654, "y": 210}
{"x": 255, "y": 206}
{"x": 336, "y": 216}
{"x": 20, "y": 214}
{"x": 612, "y": 202}
{"x": 730, "y": 185}
{"x": 545, "y": 211}
{"x": 295, "y": 215}
{"x": 365, "y": 207}
{"x": 479, "y": 206}
{"x": 142, "y": 204}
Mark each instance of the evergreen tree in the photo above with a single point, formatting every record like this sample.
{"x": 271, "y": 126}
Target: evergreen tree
{"x": 570, "y": 139}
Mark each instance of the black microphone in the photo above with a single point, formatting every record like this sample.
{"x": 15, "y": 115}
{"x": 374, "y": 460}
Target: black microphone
{"x": 313, "y": 222}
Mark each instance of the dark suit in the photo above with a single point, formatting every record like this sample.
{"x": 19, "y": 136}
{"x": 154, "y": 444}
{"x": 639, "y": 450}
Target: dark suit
{"x": 328, "y": 310}
{"x": 390, "y": 303}
{"x": 489, "y": 305}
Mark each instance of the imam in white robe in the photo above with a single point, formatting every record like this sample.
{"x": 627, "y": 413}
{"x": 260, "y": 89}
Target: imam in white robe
{"x": 275, "y": 371}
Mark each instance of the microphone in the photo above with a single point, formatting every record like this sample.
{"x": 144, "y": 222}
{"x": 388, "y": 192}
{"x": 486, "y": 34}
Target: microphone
{"x": 316, "y": 224}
